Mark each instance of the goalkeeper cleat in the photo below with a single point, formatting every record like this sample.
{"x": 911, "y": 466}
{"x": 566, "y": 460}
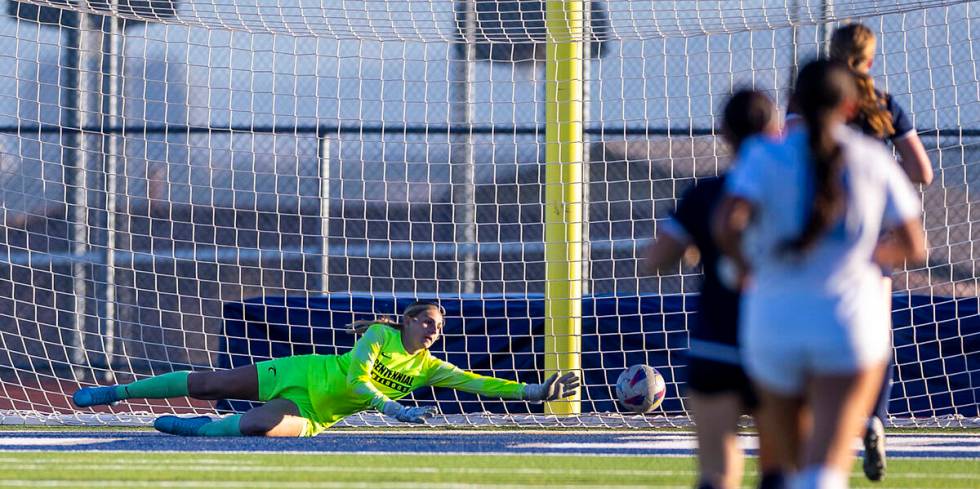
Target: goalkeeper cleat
{"x": 95, "y": 396}
{"x": 173, "y": 425}
{"x": 874, "y": 450}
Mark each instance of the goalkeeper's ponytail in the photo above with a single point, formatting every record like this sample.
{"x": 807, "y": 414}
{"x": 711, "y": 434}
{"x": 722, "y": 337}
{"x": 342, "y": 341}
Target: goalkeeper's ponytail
{"x": 413, "y": 310}
{"x": 362, "y": 325}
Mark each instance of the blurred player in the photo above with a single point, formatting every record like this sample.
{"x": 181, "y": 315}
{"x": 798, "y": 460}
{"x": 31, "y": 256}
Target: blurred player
{"x": 880, "y": 117}
{"x": 306, "y": 394}
{"x": 805, "y": 215}
{"x": 718, "y": 390}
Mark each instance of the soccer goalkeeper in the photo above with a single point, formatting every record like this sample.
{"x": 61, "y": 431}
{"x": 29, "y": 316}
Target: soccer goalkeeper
{"x": 306, "y": 394}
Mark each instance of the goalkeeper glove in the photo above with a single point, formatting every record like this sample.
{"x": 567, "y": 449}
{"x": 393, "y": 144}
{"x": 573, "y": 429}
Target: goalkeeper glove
{"x": 407, "y": 414}
{"x": 553, "y": 389}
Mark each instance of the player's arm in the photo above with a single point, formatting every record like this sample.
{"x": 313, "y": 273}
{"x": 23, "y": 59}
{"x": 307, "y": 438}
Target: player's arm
{"x": 905, "y": 240}
{"x": 913, "y": 158}
{"x": 672, "y": 239}
{"x": 744, "y": 187}
{"x": 365, "y": 352}
{"x": 445, "y": 374}
{"x": 666, "y": 250}
{"x": 731, "y": 219}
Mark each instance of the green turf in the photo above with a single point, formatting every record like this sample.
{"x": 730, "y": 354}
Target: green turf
{"x": 237, "y": 470}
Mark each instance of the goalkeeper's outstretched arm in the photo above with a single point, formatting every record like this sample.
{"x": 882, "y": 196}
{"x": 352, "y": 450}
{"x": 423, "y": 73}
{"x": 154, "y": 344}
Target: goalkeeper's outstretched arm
{"x": 445, "y": 374}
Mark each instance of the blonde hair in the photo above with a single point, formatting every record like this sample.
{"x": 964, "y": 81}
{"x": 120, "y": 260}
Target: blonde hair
{"x": 851, "y": 44}
{"x": 413, "y": 310}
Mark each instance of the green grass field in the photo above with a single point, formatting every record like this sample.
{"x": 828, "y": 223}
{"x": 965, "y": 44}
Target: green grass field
{"x": 248, "y": 470}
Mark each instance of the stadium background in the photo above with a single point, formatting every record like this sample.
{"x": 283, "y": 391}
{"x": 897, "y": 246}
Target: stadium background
{"x": 222, "y": 171}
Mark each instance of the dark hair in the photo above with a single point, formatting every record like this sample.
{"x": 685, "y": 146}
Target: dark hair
{"x": 747, "y": 113}
{"x": 820, "y": 89}
{"x": 413, "y": 310}
{"x": 850, "y": 45}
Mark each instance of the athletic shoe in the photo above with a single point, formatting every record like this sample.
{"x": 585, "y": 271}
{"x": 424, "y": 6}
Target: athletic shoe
{"x": 174, "y": 425}
{"x": 95, "y": 396}
{"x": 874, "y": 450}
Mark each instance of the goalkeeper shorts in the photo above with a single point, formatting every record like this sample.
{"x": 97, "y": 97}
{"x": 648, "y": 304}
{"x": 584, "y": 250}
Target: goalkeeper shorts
{"x": 288, "y": 378}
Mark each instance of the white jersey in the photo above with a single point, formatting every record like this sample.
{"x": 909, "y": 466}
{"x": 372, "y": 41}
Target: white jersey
{"x": 776, "y": 177}
{"x": 820, "y": 311}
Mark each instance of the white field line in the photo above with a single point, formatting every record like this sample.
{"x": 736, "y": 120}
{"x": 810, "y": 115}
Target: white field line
{"x": 366, "y": 452}
{"x": 597, "y": 431}
{"x": 678, "y": 444}
{"x": 209, "y": 463}
{"x": 482, "y": 432}
{"x": 436, "y": 453}
{"x": 41, "y": 441}
{"x": 59, "y": 458}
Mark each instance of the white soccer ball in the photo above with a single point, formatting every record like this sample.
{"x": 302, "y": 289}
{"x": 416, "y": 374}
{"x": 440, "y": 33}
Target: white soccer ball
{"x": 641, "y": 389}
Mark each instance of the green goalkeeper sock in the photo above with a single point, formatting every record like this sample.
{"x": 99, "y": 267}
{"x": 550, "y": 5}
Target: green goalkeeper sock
{"x": 173, "y": 384}
{"x": 227, "y": 426}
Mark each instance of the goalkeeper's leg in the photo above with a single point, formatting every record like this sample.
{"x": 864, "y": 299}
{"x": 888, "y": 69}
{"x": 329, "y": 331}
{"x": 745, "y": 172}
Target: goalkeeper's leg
{"x": 278, "y": 417}
{"x": 236, "y": 383}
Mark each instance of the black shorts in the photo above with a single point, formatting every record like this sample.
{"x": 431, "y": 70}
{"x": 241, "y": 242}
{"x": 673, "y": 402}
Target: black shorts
{"x": 707, "y": 377}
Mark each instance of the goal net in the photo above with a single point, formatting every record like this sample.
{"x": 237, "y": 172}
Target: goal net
{"x": 199, "y": 184}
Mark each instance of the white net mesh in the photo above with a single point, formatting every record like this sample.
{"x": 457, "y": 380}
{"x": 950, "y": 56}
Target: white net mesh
{"x": 506, "y": 21}
{"x": 153, "y": 172}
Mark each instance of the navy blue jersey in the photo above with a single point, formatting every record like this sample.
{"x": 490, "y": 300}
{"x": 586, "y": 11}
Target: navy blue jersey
{"x": 900, "y": 120}
{"x": 902, "y": 125}
{"x": 714, "y": 332}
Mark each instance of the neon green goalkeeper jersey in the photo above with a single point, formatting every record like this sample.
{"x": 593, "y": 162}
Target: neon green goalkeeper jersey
{"x": 379, "y": 369}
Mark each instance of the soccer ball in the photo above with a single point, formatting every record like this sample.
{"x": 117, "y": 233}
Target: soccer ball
{"x": 640, "y": 389}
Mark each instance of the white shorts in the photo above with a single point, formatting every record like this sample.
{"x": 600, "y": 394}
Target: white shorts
{"x": 787, "y": 337}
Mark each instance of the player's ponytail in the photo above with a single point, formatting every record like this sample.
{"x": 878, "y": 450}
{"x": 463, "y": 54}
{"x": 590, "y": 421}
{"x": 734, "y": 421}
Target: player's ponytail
{"x": 413, "y": 310}
{"x": 362, "y": 325}
{"x": 821, "y": 88}
{"x": 854, "y": 45}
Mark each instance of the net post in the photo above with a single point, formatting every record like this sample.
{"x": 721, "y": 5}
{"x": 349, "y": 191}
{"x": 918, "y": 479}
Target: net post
{"x": 826, "y": 28}
{"x": 323, "y": 157}
{"x": 462, "y": 164}
{"x": 563, "y": 193}
{"x": 89, "y": 58}
{"x": 115, "y": 161}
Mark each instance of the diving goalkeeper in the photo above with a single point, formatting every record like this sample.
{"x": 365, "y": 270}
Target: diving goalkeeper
{"x": 306, "y": 394}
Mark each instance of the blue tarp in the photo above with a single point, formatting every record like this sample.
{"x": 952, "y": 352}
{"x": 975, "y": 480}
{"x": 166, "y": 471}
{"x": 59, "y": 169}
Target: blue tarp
{"x": 937, "y": 343}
